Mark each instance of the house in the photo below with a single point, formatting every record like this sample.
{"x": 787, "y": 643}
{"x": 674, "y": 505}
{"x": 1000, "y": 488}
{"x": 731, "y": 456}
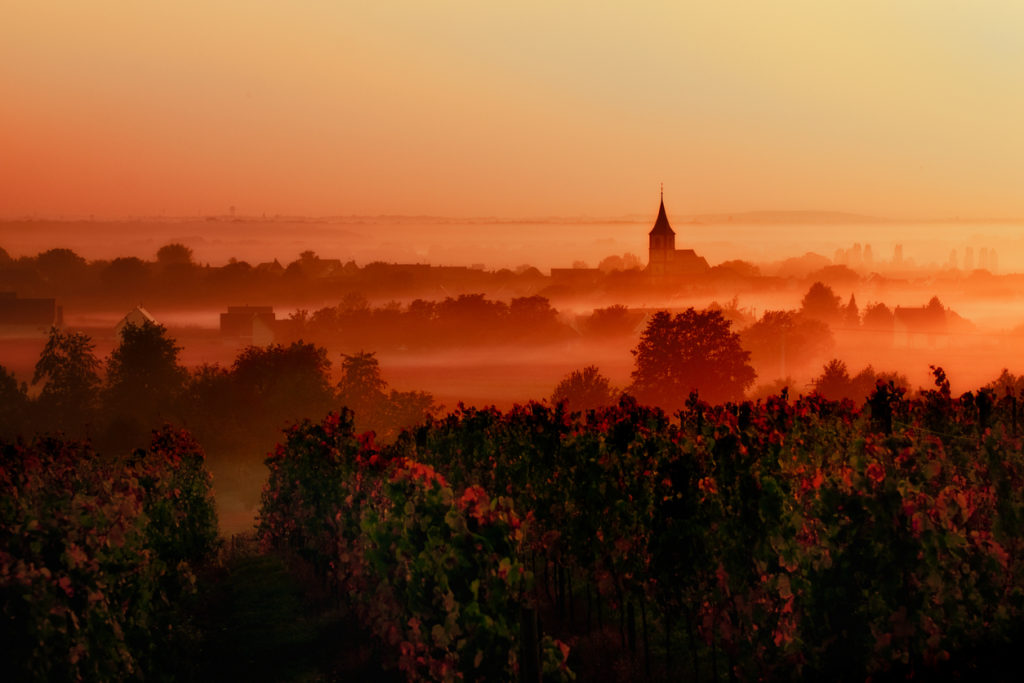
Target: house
{"x": 270, "y": 267}
{"x": 921, "y": 326}
{"x": 138, "y": 316}
{"x": 251, "y": 324}
{"x": 28, "y": 317}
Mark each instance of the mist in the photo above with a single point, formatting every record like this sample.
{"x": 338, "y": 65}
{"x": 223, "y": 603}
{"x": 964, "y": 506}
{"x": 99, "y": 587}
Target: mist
{"x": 494, "y": 243}
{"x": 493, "y": 313}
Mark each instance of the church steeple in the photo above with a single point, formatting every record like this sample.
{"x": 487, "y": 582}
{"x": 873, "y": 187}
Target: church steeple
{"x": 661, "y": 226}
{"x": 664, "y": 259}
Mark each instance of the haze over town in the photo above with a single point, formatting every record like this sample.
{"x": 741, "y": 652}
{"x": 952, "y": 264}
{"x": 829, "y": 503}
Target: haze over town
{"x": 679, "y": 338}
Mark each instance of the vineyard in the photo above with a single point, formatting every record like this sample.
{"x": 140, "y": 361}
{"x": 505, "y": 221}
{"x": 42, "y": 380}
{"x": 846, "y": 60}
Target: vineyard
{"x": 97, "y": 557}
{"x": 785, "y": 539}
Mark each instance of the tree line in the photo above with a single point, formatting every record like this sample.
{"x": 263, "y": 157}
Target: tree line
{"x": 175, "y": 276}
{"x": 116, "y": 402}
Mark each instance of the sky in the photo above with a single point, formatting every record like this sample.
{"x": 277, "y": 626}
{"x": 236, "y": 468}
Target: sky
{"x": 899, "y": 108}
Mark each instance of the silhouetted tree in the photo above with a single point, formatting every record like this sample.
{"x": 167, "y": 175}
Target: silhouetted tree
{"x": 878, "y": 317}
{"x": 14, "y": 415}
{"x": 774, "y": 388}
{"x": 695, "y": 350}
{"x": 210, "y": 408}
{"x": 532, "y": 316}
{"x": 610, "y": 263}
{"x": 70, "y": 370}
{"x": 353, "y": 302}
{"x": 174, "y": 254}
{"x": 821, "y": 302}
{"x": 834, "y": 382}
{"x": 278, "y": 384}
{"x": 144, "y": 381}
{"x": 732, "y": 312}
{"x": 1007, "y": 383}
{"x": 362, "y": 389}
{"x": 361, "y": 386}
{"x": 584, "y": 389}
{"x": 54, "y": 262}
{"x": 738, "y": 268}
{"x": 611, "y": 321}
{"x": 405, "y": 409}
{"x": 126, "y": 277}
{"x": 785, "y": 341}
{"x": 898, "y": 379}
{"x": 851, "y": 314}
{"x": 62, "y": 269}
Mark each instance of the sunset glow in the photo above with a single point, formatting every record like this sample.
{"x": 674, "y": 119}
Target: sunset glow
{"x": 903, "y": 110}
{"x": 511, "y": 341}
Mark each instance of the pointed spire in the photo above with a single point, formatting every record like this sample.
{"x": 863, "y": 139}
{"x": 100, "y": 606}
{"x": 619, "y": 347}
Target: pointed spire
{"x": 661, "y": 226}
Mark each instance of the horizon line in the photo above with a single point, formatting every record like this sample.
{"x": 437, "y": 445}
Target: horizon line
{"x": 756, "y": 215}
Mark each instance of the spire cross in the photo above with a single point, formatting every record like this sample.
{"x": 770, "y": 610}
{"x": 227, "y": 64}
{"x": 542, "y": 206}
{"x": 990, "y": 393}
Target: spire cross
{"x": 663, "y": 191}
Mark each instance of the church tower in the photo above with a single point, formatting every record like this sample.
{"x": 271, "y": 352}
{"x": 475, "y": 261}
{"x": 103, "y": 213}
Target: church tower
{"x": 662, "y": 243}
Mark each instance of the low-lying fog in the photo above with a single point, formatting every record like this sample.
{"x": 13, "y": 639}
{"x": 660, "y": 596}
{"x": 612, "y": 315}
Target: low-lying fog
{"x": 760, "y": 238}
{"x": 968, "y": 267}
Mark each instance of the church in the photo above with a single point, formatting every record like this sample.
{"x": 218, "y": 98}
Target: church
{"x": 664, "y": 259}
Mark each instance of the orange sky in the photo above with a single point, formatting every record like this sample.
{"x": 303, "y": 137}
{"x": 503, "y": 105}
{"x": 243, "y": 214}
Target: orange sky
{"x": 328, "y": 107}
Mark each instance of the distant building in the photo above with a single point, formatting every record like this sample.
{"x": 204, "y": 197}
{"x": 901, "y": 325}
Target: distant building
{"x": 28, "y": 316}
{"x": 664, "y": 259}
{"x": 576, "y": 277}
{"x": 252, "y": 324}
{"x": 921, "y": 326}
{"x": 138, "y": 316}
{"x": 272, "y": 267}
{"x": 313, "y": 266}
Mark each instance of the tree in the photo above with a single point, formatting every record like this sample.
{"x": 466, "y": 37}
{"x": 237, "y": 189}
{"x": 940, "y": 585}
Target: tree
{"x": 533, "y": 316}
{"x": 584, "y": 389}
{"x": 834, "y": 382}
{"x": 1007, "y": 383}
{"x": 14, "y": 399}
{"x": 851, "y": 314}
{"x": 174, "y": 254}
{"x": 62, "y": 268}
{"x": 60, "y": 261}
{"x": 785, "y": 342}
{"x": 361, "y": 387}
{"x": 211, "y": 411}
{"x": 695, "y": 350}
{"x": 610, "y": 263}
{"x": 144, "y": 379}
{"x": 277, "y": 384}
{"x": 878, "y": 317}
{"x": 821, "y": 302}
{"x": 405, "y": 409}
{"x": 70, "y": 370}
{"x": 126, "y": 276}
{"x": 738, "y": 268}
{"x": 611, "y": 321}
